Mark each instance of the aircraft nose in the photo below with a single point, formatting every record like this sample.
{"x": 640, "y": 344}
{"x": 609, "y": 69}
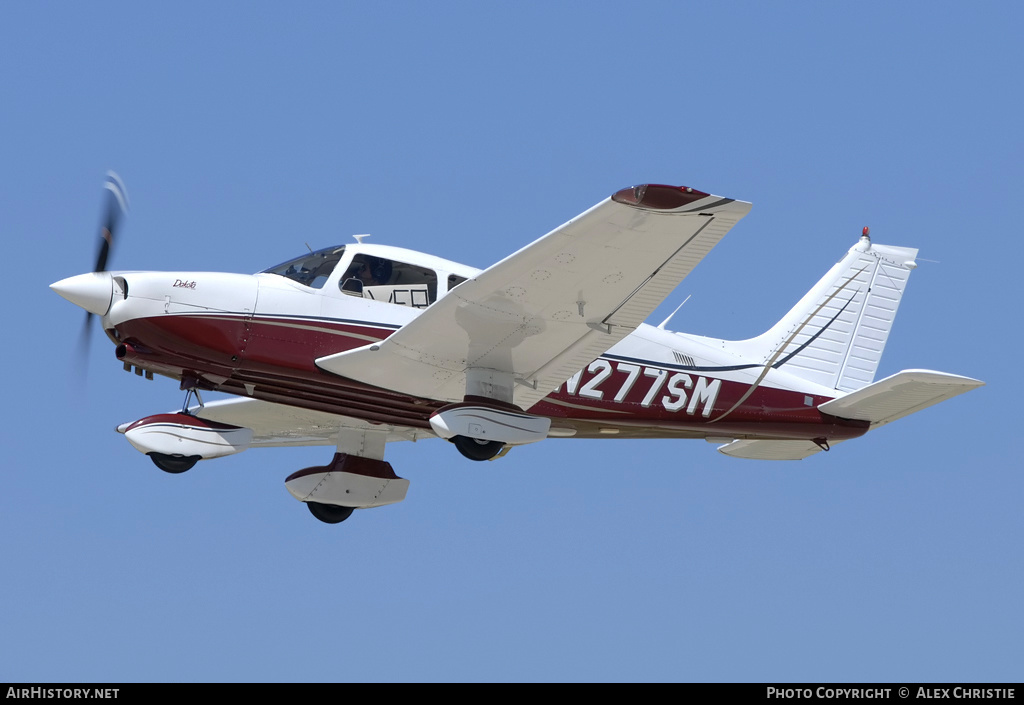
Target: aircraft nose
{"x": 92, "y": 291}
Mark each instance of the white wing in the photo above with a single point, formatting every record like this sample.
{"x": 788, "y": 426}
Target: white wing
{"x": 538, "y": 316}
{"x": 280, "y": 425}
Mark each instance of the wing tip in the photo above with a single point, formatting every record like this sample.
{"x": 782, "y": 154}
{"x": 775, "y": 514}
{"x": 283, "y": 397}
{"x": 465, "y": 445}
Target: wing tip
{"x": 658, "y": 196}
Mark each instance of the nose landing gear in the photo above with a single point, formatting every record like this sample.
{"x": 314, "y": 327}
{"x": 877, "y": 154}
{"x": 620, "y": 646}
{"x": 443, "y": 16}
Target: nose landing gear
{"x": 174, "y": 464}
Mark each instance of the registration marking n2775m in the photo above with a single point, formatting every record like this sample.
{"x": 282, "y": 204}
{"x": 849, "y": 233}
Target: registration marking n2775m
{"x": 676, "y": 391}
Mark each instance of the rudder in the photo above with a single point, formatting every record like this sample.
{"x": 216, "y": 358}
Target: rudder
{"x": 836, "y": 333}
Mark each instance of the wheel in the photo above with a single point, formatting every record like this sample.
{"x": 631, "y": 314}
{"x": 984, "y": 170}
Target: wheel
{"x": 174, "y": 464}
{"x": 475, "y": 449}
{"x": 329, "y": 513}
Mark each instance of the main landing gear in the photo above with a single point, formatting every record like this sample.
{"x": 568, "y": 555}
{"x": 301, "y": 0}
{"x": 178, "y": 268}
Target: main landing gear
{"x": 476, "y": 449}
{"x": 483, "y": 428}
{"x": 331, "y": 492}
{"x": 329, "y": 513}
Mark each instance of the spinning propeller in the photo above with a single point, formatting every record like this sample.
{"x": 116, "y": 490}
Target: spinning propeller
{"x": 117, "y": 207}
{"x": 93, "y": 291}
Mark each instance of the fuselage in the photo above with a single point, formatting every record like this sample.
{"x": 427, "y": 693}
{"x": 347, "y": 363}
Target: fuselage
{"x": 259, "y": 336}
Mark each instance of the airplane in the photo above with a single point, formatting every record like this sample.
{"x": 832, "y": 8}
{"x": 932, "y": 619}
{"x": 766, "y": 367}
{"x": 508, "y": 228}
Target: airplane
{"x": 360, "y": 345}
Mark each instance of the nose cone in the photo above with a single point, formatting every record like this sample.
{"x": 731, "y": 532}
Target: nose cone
{"x": 92, "y": 291}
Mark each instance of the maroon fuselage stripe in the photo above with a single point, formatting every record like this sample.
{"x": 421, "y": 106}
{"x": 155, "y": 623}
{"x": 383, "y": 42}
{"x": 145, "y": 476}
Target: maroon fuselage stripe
{"x": 274, "y": 357}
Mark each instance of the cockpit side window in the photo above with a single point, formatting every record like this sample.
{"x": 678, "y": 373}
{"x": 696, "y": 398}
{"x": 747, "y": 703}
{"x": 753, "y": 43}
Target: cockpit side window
{"x": 370, "y": 271}
{"x": 312, "y": 269}
{"x": 388, "y": 280}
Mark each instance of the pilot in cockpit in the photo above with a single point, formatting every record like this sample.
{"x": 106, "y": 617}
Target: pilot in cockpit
{"x": 371, "y": 271}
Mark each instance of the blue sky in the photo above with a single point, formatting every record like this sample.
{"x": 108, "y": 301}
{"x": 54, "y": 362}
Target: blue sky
{"x": 246, "y": 130}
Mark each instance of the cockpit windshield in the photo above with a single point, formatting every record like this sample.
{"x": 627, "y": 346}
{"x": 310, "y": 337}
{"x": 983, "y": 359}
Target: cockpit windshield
{"x": 311, "y": 269}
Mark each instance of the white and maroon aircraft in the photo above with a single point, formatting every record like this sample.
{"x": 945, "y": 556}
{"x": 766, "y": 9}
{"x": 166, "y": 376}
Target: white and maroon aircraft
{"x": 361, "y": 345}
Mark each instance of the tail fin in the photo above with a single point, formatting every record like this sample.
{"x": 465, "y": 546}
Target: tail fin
{"x": 835, "y": 334}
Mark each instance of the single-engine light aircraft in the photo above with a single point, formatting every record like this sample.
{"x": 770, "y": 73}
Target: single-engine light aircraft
{"x": 361, "y": 345}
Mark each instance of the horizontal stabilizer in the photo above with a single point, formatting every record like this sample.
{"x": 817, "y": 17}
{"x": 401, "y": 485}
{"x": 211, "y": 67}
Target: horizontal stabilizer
{"x": 898, "y": 396}
{"x": 770, "y": 450}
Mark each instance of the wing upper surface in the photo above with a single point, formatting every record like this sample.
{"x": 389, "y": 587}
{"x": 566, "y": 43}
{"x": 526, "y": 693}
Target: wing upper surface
{"x": 535, "y": 318}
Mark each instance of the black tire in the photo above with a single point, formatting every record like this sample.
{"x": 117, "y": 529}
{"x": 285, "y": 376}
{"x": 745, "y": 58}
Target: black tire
{"x": 475, "y": 449}
{"x": 329, "y": 513}
{"x": 174, "y": 464}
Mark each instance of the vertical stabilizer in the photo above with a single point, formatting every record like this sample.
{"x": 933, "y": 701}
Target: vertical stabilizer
{"x": 835, "y": 334}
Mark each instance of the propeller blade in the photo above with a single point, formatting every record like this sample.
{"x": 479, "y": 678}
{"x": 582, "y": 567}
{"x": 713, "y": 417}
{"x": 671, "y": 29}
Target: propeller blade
{"x": 82, "y": 358}
{"x": 117, "y": 206}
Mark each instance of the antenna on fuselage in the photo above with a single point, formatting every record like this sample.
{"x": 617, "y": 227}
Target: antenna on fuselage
{"x": 359, "y": 238}
{"x": 665, "y": 322}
